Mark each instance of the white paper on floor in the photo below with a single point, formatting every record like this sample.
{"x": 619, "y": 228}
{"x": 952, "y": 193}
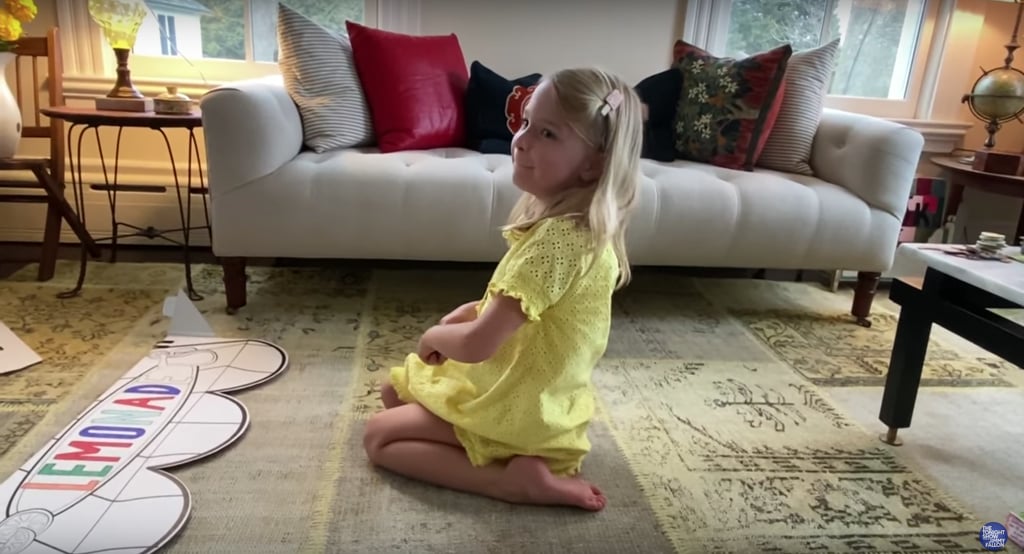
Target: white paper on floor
{"x": 15, "y": 355}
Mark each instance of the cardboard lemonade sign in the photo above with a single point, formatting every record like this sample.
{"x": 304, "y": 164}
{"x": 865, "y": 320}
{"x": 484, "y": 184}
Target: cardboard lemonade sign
{"x": 97, "y": 485}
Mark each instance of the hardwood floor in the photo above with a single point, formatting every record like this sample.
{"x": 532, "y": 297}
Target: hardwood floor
{"x": 14, "y": 256}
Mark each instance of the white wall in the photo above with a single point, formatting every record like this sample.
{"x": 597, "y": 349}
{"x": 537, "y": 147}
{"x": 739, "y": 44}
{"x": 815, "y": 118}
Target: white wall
{"x": 632, "y": 38}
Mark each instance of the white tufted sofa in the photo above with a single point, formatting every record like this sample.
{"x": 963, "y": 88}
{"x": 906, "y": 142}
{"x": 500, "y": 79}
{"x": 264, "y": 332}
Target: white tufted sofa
{"x": 271, "y": 198}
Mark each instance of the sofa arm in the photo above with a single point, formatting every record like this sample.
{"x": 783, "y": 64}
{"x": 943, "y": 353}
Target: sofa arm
{"x": 874, "y": 158}
{"x": 251, "y": 128}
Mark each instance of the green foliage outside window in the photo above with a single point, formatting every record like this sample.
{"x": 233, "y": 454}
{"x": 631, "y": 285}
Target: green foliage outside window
{"x": 224, "y": 28}
{"x": 868, "y": 54}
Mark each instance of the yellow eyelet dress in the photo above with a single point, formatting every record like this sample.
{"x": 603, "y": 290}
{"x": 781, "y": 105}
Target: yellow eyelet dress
{"x": 533, "y": 396}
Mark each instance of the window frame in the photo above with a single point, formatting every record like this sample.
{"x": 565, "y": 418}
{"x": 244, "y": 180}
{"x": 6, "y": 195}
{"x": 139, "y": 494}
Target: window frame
{"x": 706, "y": 25}
{"x": 90, "y": 66}
{"x": 168, "y": 33}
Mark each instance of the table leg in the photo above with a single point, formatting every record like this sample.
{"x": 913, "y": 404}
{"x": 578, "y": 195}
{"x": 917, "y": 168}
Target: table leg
{"x": 185, "y": 206}
{"x": 1019, "y": 238}
{"x": 202, "y": 183}
{"x": 906, "y": 362}
{"x": 77, "y": 188}
{"x": 78, "y": 183}
{"x": 111, "y": 188}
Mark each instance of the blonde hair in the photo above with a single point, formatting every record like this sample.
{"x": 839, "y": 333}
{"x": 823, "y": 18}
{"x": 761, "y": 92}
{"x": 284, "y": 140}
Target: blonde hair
{"x": 605, "y": 207}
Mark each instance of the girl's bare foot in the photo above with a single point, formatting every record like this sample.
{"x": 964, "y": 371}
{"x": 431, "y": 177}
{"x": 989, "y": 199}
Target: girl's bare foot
{"x": 529, "y": 481}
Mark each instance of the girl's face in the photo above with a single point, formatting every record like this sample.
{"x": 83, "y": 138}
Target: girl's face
{"x": 548, "y": 156}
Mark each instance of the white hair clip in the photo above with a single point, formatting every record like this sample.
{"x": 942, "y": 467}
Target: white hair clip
{"x": 611, "y": 102}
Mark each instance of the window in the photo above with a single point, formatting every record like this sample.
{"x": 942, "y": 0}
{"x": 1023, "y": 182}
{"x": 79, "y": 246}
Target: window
{"x": 199, "y": 44}
{"x": 884, "y": 44}
{"x": 241, "y": 30}
{"x": 210, "y": 37}
{"x": 168, "y": 37}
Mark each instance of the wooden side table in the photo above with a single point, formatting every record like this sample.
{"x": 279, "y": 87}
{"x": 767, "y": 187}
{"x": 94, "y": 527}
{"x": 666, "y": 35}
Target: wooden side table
{"x": 83, "y": 119}
{"x": 964, "y": 176}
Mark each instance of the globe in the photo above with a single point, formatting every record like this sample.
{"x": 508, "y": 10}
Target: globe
{"x": 998, "y": 94}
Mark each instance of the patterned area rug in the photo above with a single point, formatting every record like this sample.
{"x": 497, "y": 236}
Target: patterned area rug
{"x": 713, "y": 433}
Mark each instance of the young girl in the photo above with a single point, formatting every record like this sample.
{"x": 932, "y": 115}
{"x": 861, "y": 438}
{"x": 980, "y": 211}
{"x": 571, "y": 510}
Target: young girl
{"x": 498, "y": 398}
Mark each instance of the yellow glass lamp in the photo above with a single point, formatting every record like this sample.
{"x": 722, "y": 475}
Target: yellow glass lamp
{"x": 120, "y": 21}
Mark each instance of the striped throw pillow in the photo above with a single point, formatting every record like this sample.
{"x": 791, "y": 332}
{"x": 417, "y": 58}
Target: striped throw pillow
{"x": 808, "y": 79}
{"x": 320, "y": 76}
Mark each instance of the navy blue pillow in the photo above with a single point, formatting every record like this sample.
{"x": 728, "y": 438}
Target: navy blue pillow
{"x": 661, "y": 94}
{"x": 494, "y": 108}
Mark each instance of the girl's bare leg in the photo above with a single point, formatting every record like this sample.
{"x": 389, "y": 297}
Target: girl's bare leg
{"x": 389, "y": 396}
{"x": 411, "y": 441}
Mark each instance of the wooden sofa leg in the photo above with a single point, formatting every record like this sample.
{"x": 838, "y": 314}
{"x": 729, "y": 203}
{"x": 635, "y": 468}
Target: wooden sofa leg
{"x": 864, "y": 295}
{"x": 234, "y": 282}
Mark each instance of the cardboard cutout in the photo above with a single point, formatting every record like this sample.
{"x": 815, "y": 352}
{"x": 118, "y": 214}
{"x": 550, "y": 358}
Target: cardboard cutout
{"x": 97, "y": 486}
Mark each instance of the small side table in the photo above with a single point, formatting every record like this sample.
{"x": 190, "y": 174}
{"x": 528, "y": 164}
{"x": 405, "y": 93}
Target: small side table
{"x": 83, "y": 119}
{"x": 964, "y": 176}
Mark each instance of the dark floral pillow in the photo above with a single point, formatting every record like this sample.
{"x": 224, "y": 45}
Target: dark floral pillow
{"x": 727, "y": 107}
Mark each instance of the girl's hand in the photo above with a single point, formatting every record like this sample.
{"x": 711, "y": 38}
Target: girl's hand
{"x": 428, "y": 353}
{"x": 462, "y": 314}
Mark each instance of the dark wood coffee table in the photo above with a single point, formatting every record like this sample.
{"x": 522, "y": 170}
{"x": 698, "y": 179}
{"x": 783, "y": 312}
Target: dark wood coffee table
{"x": 958, "y": 294}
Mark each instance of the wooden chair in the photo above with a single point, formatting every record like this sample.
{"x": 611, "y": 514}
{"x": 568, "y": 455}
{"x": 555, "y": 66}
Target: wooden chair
{"x": 48, "y": 171}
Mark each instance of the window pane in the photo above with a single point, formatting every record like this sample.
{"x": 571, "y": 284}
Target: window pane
{"x": 759, "y": 25}
{"x": 215, "y": 29}
{"x": 878, "y": 38}
{"x": 879, "y": 42}
{"x": 194, "y": 29}
{"x": 224, "y": 29}
{"x": 329, "y": 13}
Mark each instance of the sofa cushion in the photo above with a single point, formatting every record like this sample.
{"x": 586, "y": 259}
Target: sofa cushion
{"x": 415, "y": 86}
{"x": 320, "y": 76}
{"x": 660, "y": 92}
{"x": 727, "y": 107}
{"x": 494, "y": 108}
{"x": 808, "y": 77}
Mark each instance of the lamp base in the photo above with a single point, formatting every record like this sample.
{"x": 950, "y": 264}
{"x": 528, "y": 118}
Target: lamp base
{"x": 124, "y": 104}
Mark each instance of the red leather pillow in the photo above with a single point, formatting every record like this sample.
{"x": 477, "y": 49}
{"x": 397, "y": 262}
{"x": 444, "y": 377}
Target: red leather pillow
{"x": 414, "y": 86}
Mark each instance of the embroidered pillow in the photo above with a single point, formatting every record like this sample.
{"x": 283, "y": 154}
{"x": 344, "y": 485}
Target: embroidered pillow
{"x": 808, "y": 78}
{"x": 320, "y": 76}
{"x": 494, "y": 108}
{"x": 727, "y": 107}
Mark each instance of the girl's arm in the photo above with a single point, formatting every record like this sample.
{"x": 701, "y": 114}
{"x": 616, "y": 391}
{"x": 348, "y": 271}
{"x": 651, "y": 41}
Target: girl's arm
{"x": 477, "y": 340}
{"x": 465, "y": 312}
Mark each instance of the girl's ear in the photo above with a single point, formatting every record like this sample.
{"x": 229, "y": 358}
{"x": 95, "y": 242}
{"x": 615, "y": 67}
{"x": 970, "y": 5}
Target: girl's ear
{"x": 592, "y": 168}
